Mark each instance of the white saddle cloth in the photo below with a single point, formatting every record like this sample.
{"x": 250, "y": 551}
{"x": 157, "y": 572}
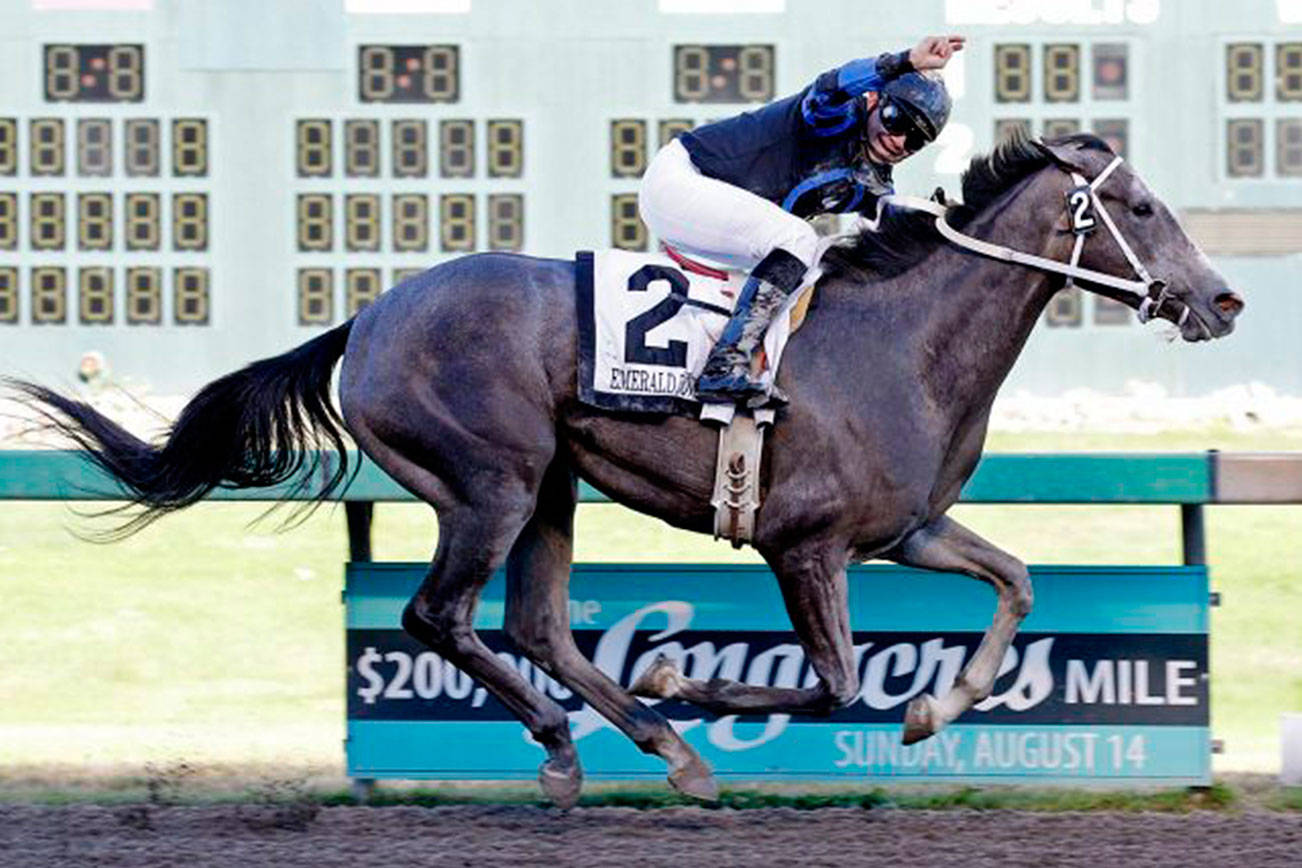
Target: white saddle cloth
{"x": 643, "y": 336}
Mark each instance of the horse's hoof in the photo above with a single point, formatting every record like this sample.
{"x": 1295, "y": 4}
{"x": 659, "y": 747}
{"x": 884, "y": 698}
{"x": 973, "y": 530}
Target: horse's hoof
{"x": 560, "y": 784}
{"x": 696, "y": 781}
{"x": 659, "y": 681}
{"x": 919, "y": 719}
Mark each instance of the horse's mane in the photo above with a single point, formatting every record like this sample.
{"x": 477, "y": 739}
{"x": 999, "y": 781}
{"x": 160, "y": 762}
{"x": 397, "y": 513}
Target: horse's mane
{"x": 904, "y": 238}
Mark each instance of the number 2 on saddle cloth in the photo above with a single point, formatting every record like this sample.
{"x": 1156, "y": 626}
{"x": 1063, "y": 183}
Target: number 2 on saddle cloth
{"x": 798, "y": 310}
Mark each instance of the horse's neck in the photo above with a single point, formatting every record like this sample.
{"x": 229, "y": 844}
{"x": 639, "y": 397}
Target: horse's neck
{"x": 983, "y": 312}
{"x": 972, "y": 315}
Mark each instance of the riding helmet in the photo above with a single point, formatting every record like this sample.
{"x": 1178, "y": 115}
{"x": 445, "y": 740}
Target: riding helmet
{"x": 924, "y": 98}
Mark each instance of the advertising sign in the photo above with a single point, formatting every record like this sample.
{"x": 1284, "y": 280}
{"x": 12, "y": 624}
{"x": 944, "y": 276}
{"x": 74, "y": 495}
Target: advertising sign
{"x": 1107, "y": 680}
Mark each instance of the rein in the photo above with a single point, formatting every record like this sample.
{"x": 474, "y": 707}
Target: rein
{"x": 1149, "y": 294}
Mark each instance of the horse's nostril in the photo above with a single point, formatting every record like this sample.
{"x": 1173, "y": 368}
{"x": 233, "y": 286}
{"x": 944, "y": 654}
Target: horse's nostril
{"x": 1229, "y": 303}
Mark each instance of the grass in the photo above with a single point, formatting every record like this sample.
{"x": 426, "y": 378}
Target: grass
{"x": 208, "y": 641}
{"x": 184, "y": 784}
{"x": 1217, "y": 797}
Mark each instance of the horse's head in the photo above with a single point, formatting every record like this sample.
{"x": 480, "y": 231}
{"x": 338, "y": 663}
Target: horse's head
{"x": 1129, "y": 233}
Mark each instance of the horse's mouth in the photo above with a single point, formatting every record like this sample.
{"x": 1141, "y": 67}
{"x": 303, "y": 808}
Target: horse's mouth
{"x": 1196, "y": 328}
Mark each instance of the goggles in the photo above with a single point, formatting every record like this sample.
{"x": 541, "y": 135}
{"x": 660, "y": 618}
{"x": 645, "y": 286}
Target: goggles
{"x": 897, "y": 122}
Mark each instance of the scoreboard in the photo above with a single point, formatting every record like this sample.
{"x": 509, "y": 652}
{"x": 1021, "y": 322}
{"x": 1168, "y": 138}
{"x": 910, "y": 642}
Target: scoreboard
{"x": 406, "y": 183}
{"x": 106, "y": 201}
{"x": 186, "y": 186}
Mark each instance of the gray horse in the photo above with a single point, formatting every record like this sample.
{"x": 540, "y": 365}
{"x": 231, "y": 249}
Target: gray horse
{"x": 461, "y": 384}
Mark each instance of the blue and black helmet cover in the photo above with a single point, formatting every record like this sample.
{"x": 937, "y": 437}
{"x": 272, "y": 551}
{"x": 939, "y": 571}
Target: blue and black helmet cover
{"x": 924, "y": 98}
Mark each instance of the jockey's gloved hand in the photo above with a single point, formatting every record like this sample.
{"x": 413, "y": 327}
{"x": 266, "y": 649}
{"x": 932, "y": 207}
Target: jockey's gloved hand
{"x": 933, "y": 52}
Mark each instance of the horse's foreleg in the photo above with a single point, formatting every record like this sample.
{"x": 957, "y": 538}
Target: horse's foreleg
{"x": 946, "y": 545}
{"x": 537, "y": 622}
{"x": 814, "y": 589}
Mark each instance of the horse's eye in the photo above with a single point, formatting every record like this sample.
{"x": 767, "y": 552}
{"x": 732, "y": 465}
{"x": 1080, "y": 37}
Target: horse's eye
{"x": 1143, "y": 209}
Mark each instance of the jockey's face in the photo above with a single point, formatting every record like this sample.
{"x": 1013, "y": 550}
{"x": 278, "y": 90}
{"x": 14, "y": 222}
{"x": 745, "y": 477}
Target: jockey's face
{"x": 883, "y": 147}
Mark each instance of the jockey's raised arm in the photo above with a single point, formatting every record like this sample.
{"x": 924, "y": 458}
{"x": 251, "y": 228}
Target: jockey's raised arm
{"x": 829, "y": 105}
{"x": 741, "y": 189}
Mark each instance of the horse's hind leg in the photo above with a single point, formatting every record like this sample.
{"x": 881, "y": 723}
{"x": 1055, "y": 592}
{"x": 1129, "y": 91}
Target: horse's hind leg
{"x": 474, "y": 538}
{"x": 946, "y": 545}
{"x": 537, "y": 622}
{"x": 441, "y": 615}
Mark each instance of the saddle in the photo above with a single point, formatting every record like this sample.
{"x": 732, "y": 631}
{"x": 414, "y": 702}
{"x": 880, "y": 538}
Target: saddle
{"x": 741, "y": 437}
{"x": 686, "y": 263}
{"x": 646, "y": 326}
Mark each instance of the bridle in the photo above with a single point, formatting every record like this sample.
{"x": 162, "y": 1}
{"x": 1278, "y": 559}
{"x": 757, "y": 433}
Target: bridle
{"x": 1148, "y": 293}
{"x": 1079, "y": 198}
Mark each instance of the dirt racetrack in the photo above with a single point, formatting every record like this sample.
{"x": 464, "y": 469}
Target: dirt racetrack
{"x": 517, "y": 836}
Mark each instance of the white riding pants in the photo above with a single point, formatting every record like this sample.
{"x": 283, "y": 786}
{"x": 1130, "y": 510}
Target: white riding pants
{"x": 707, "y": 217}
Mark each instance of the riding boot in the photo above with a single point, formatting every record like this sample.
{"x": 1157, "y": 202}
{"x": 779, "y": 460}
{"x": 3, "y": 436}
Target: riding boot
{"x": 726, "y": 377}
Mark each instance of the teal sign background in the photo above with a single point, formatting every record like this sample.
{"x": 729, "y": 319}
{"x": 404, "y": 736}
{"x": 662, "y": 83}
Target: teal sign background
{"x": 1106, "y": 682}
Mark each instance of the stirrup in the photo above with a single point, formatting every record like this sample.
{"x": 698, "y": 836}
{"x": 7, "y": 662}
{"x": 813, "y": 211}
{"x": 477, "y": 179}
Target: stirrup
{"x": 728, "y": 389}
{"x": 773, "y": 400}
{"x": 739, "y": 399}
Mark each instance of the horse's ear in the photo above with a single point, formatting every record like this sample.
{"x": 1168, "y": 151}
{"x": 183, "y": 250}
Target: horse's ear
{"x": 1070, "y": 153}
{"x": 1065, "y": 154}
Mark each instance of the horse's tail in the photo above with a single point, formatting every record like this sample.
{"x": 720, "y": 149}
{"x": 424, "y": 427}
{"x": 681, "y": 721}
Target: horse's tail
{"x": 259, "y": 426}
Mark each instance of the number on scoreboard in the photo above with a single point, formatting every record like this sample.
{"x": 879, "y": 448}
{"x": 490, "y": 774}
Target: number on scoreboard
{"x": 1288, "y": 147}
{"x": 627, "y": 148}
{"x": 408, "y": 73}
{"x": 48, "y": 230}
{"x": 457, "y": 222}
{"x": 94, "y": 221}
{"x": 361, "y": 287}
{"x": 316, "y": 289}
{"x": 457, "y": 148}
{"x": 506, "y": 221}
{"x": 8, "y": 146}
{"x": 144, "y": 295}
{"x": 313, "y": 140}
{"x": 94, "y": 147}
{"x": 1245, "y": 148}
{"x": 190, "y": 301}
{"x": 410, "y": 152}
{"x": 8, "y": 295}
{"x": 8, "y": 221}
{"x": 49, "y": 295}
{"x": 505, "y": 148}
{"x": 94, "y": 73}
{"x": 142, "y": 148}
{"x": 189, "y": 147}
{"x": 315, "y": 222}
{"x": 362, "y": 148}
{"x": 190, "y": 221}
{"x": 627, "y": 231}
{"x": 95, "y": 295}
{"x": 723, "y": 73}
{"x": 47, "y": 146}
{"x": 1062, "y": 72}
{"x": 1013, "y": 73}
{"x": 410, "y": 224}
{"x": 144, "y": 226}
{"x": 1243, "y": 72}
{"x": 1263, "y": 104}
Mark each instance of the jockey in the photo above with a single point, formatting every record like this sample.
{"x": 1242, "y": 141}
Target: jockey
{"x": 739, "y": 190}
